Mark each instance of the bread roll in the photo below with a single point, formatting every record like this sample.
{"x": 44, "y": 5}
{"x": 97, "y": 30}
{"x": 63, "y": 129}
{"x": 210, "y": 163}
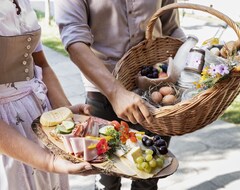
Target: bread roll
{"x": 54, "y": 117}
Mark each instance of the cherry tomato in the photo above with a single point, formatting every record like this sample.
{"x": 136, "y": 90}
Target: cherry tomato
{"x": 116, "y": 125}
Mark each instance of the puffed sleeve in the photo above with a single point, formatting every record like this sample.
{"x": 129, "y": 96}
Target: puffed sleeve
{"x": 72, "y": 19}
{"x": 170, "y": 19}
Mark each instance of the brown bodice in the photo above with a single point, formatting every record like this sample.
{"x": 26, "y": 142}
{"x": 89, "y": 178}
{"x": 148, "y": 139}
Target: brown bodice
{"x": 16, "y": 61}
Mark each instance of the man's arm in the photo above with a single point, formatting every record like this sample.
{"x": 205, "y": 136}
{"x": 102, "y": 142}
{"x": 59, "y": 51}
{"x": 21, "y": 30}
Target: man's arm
{"x": 127, "y": 105}
{"x": 171, "y": 22}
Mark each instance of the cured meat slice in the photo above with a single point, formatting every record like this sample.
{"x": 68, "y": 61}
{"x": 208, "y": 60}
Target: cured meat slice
{"x": 67, "y": 144}
{"x": 92, "y": 128}
{"x": 90, "y": 153}
{"x": 77, "y": 146}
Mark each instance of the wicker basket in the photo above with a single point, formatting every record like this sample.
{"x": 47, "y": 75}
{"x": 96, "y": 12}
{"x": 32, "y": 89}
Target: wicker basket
{"x": 186, "y": 116}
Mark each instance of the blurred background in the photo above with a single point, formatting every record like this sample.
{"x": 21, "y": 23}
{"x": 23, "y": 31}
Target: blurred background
{"x": 208, "y": 157}
{"x": 192, "y": 21}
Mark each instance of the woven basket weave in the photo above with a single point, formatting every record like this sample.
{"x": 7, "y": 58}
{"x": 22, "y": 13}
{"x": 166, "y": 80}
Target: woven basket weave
{"x": 187, "y": 116}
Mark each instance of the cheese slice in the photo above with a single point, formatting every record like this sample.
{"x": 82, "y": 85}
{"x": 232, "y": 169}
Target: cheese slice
{"x": 140, "y": 174}
{"x": 125, "y": 169}
{"x": 54, "y": 117}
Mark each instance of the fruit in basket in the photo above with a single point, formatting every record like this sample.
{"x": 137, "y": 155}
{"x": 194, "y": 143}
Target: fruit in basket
{"x": 162, "y": 75}
{"x": 149, "y": 71}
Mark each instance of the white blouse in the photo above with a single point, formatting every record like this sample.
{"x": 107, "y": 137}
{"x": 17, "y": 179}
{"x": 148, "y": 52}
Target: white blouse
{"x": 12, "y": 24}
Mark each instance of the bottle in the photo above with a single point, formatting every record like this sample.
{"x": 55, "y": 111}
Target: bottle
{"x": 179, "y": 61}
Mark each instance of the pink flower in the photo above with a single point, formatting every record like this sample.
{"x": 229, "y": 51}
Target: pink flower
{"x": 213, "y": 70}
{"x": 222, "y": 69}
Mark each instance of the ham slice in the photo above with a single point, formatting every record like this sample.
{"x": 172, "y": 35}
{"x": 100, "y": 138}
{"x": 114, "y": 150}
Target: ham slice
{"x": 92, "y": 128}
{"x": 67, "y": 144}
{"x": 77, "y": 146}
{"x": 81, "y": 147}
{"x": 90, "y": 153}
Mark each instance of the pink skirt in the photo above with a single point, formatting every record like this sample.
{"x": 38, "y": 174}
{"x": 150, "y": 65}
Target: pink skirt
{"x": 20, "y": 104}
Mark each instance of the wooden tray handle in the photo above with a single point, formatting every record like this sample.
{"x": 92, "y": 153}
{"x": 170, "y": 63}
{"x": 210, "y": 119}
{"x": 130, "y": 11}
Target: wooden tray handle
{"x": 159, "y": 12}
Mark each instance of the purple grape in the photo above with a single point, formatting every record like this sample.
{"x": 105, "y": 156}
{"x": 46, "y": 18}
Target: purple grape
{"x": 150, "y": 75}
{"x": 164, "y": 68}
{"x": 160, "y": 143}
{"x": 153, "y": 149}
{"x": 163, "y": 150}
{"x": 156, "y": 137}
{"x": 149, "y": 142}
{"x": 144, "y": 139}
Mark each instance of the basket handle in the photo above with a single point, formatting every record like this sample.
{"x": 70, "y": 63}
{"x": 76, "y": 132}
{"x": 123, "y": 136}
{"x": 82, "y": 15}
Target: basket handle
{"x": 159, "y": 12}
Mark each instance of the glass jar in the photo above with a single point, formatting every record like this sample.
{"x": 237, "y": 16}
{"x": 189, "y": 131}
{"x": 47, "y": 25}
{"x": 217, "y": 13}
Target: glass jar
{"x": 195, "y": 60}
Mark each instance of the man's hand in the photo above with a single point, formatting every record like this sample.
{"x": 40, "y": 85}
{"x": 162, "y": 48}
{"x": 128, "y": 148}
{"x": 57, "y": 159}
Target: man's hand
{"x": 130, "y": 107}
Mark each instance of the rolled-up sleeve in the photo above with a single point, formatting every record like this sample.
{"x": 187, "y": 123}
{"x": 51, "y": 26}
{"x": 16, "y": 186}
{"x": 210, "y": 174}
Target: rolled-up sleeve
{"x": 170, "y": 19}
{"x": 72, "y": 19}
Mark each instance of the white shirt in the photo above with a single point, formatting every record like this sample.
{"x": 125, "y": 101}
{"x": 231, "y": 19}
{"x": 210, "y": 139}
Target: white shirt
{"x": 111, "y": 27}
{"x": 12, "y": 24}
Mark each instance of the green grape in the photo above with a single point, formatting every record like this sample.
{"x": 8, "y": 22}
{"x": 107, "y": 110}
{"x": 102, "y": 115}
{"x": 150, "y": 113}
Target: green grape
{"x": 160, "y": 162}
{"x": 149, "y": 151}
{"x": 148, "y": 169}
{"x": 144, "y": 165}
{"x": 139, "y": 166}
{"x": 148, "y": 157}
{"x": 152, "y": 163}
{"x": 139, "y": 160}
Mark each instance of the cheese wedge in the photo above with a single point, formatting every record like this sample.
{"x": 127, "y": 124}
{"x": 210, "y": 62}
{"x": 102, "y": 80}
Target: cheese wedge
{"x": 54, "y": 117}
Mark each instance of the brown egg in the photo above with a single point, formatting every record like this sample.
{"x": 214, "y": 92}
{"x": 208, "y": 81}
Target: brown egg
{"x": 168, "y": 100}
{"x": 166, "y": 90}
{"x": 156, "y": 97}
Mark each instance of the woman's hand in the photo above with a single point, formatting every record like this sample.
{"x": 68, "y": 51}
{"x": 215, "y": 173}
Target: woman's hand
{"x": 59, "y": 165}
{"x": 80, "y": 109}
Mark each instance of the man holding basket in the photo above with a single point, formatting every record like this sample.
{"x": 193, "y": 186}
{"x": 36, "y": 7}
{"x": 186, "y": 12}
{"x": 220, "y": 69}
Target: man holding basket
{"x": 96, "y": 35}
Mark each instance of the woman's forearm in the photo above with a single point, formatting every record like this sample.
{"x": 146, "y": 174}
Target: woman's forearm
{"x": 13, "y": 144}
{"x": 55, "y": 93}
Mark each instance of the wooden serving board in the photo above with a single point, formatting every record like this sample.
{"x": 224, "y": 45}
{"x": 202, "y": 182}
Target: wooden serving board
{"x": 108, "y": 167}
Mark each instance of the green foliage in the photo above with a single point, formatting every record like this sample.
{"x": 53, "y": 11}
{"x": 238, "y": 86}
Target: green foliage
{"x": 50, "y": 34}
{"x": 232, "y": 114}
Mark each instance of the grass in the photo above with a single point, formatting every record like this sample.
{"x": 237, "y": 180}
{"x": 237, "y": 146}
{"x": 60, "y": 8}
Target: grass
{"x": 50, "y": 34}
{"x": 232, "y": 113}
{"x": 51, "y": 39}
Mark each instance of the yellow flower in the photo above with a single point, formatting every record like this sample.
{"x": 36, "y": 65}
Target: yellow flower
{"x": 205, "y": 71}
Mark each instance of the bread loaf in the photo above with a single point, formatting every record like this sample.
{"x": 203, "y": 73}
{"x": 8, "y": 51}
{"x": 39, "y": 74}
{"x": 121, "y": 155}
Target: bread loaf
{"x": 54, "y": 117}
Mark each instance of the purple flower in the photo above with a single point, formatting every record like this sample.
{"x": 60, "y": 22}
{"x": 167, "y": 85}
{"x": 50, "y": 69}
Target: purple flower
{"x": 222, "y": 69}
{"x": 213, "y": 70}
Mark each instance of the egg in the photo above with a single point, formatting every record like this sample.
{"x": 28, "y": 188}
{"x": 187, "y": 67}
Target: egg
{"x": 169, "y": 100}
{"x": 156, "y": 97}
{"x": 166, "y": 90}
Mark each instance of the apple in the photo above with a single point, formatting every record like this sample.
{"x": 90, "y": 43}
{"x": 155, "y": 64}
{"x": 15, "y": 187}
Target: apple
{"x": 162, "y": 75}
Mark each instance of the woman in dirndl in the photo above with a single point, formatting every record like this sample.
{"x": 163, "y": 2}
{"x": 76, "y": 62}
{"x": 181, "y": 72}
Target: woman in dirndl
{"x": 24, "y": 163}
